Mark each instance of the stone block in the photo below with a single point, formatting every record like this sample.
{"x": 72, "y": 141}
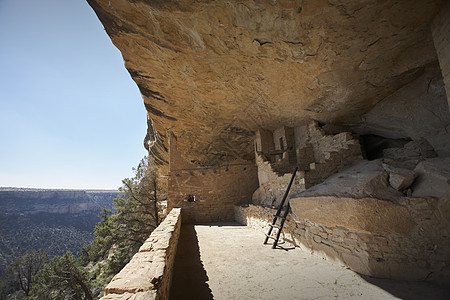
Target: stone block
{"x": 315, "y": 229}
{"x": 146, "y": 247}
{"x": 400, "y": 178}
{"x": 130, "y": 284}
{"x": 337, "y": 239}
{"x": 361, "y": 180}
{"x": 357, "y": 263}
{"x": 365, "y": 215}
{"x": 401, "y": 181}
{"x": 149, "y": 295}
{"x": 324, "y": 235}
{"x": 317, "y": 239}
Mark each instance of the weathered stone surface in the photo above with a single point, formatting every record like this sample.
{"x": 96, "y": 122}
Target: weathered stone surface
{"x": 414, "y": 150}
{"x": 400, "y": 178}
{"x": 215, "y": 71}
{"x": 363, "y": 179}
{"x": 362, "y": 215}
{"x": 415, "y": 251}
{"x": 131, "y": 296}
{"x": 149, "y": 273}
{"x": 418, "y": 110}
{"x": 434, "y": 179}
{"x": 272, "y": 186}
{"x": 317, "y": 156}
{"x": 130, "y": 284}
{"x": 441, "y": 37}
{"x": 409, "y": 164}
{"x": 213, "y": 190}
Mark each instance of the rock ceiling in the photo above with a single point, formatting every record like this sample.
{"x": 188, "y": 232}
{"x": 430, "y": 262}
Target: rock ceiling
{"x": 212, "y": 72}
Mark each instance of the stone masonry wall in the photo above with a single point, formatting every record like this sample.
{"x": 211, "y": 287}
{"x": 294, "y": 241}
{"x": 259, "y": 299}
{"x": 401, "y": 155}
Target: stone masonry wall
{"x": 208, "y": 194}
{"x": 322, "y": 144}
{"x": 336, "y": 161}
{"x": 149, "y": 273}
{"x": 328, "y": 154}
{"x": 318, "y": 156}
{"x": 272, "y": 186}
{"x": 263, "y": 141}
{"x": 412, "y": 243}
{"x": 216, "y": 191}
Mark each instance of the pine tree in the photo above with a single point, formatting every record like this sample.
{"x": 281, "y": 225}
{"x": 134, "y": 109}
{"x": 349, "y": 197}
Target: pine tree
{"x": 137, "y": 206}
{"x": 21, "y": 271}
{"x": 62, "y": 278}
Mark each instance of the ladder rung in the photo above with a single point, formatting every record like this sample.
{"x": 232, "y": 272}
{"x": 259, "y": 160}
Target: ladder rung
{"x": 278, "y": 214}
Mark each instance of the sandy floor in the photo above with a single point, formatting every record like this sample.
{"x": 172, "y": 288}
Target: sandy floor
{"x": 231, "y": 262}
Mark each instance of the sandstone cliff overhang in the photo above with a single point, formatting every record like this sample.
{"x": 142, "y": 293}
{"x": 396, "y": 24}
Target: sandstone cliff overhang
{"x": 212, "y": 72}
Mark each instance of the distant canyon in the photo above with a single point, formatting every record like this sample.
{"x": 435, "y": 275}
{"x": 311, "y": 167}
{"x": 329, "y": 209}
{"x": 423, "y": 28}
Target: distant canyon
{"x": 56, "y": 220}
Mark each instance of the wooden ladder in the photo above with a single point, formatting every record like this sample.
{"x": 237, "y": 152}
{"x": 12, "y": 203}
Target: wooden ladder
{"x": 279, "y": 215}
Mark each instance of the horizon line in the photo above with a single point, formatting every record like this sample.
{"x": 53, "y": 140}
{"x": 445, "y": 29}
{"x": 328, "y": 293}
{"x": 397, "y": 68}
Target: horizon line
{"x": 55, "y": 189}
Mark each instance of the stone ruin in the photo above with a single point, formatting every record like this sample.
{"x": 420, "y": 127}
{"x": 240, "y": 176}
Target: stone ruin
{"x": 316, "y": 154}
{"x": 385, "y": 217}
{"x": 355, "y": 94}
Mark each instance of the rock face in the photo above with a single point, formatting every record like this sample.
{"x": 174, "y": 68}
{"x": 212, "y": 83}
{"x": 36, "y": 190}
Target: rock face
{"x": 15, "y": 201}
{"x": 368, "y": 215}
{"x": 212, "y": 72}
{"x": 417, "y": 111}
{"x": 434, "y": 179}
{"x": 380, "y": 179}
{"x": 363, "y": 180}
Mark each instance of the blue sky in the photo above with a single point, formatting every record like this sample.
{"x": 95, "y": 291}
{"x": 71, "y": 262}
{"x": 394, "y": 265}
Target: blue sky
{"x": 70, "y": 114}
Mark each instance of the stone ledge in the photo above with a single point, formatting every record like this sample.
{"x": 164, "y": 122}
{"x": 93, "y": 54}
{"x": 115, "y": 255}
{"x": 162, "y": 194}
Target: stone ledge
{"x": 149, "y": 273}
{"x": 415, "y": 251}
{"x": 131, "y": 296}
{"x": 366, "y": 215}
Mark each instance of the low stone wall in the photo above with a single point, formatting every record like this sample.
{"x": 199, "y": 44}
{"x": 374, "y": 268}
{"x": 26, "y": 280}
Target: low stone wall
{"x": 149, "y": 273}
{"x": 408, "y": 241}
{"x": 259, "y": 217}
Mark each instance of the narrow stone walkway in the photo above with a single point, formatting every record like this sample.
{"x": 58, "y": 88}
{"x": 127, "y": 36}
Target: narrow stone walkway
{"x": 225, "y": 262}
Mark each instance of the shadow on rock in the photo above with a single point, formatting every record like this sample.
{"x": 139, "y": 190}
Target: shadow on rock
{"x": 417, "y": 290}
{"x": 189, "y": 279}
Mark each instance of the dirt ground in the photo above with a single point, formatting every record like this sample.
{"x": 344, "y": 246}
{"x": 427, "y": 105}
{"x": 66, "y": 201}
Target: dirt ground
{"x": 227, "y": 262}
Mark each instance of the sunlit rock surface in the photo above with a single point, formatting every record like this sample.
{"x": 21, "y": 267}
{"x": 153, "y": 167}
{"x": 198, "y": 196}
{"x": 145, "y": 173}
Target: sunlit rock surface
{"x": 212, "y": 72}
